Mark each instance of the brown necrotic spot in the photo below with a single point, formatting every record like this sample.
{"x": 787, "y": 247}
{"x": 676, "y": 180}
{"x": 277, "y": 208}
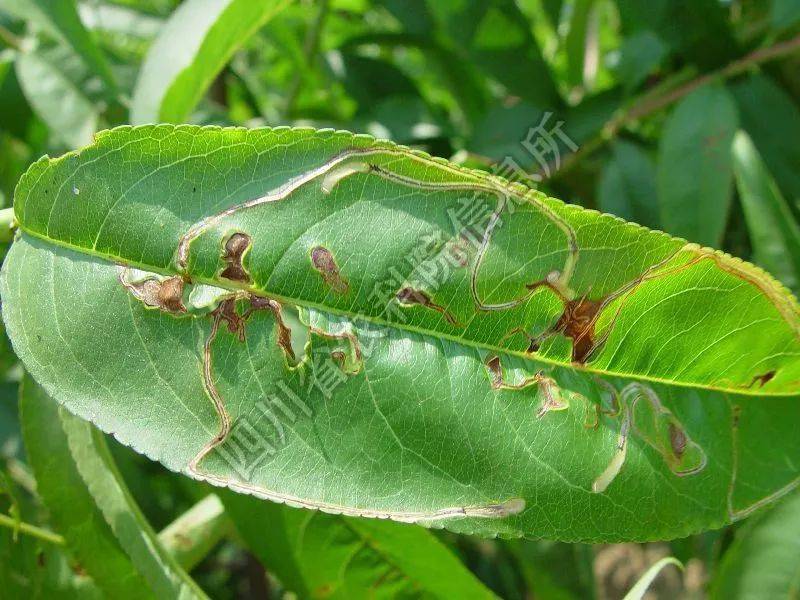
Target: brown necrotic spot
{"x": 409, "y": 296}
{"x": 236, "y": 322}
{"x": 325, "y": 264}
{"x": 164, "y": 294}
{"x": 577, "y": 322}
{"x": 677, "y": 439}
{"x": 495, "y": 372}
{"x": 235, "y": 248}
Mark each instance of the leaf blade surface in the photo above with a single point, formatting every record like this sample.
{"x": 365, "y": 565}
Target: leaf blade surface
{"x": 428, "y": 421}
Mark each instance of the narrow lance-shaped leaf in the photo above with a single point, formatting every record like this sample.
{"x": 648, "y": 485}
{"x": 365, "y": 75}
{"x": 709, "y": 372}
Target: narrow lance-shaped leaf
{"x": 762, "y": 561}
{"x": 57, "y": 99}
{"x": 315, "y": 554}
{"x": 67, "y": 498}
{"x": 774, "y": 232}
{"x": 627, "y": 186}
{"x": 695, "y": 179}
{"x": 191, "y": 48}
{"x": 97, "y": 468}
{"x": 772, "y": 119}
{"x": 478, "y": 356}
{"x": 61, "y": 19}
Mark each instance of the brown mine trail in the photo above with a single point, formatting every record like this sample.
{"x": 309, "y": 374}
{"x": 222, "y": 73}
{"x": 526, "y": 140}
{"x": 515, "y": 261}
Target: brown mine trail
{"x": 409, "y": 297}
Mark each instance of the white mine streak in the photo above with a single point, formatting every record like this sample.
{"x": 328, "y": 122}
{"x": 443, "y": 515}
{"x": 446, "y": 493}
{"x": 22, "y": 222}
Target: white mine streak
{"x": 498, "y": 510}
{"x": 612, "y": 470}
{"x": 333, "y": 176}
{"x": 285, "y": 190}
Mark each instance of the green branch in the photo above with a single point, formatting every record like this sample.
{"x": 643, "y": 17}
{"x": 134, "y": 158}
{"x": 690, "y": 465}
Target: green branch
{"x": 32, "y": 530}
{"x": 654, "y": 100}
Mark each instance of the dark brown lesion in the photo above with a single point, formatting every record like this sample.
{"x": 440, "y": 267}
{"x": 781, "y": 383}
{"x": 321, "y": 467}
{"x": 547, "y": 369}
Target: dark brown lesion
{"x": 163, "y": 294}
{"x": 410, "y": 297}
{"x": 236, "y": 247}
{"x": 324, "y": 263}
{"x": 228, "y": 313}
{"x": 762, "y": 379}
{"x": 578, "y": 323}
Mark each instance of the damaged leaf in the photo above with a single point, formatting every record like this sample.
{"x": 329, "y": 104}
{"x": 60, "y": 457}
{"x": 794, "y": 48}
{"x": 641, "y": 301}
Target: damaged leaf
{"x": 474, "y": 355}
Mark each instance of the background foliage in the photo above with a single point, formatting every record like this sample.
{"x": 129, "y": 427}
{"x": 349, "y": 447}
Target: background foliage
{"x": 686, "y": 114}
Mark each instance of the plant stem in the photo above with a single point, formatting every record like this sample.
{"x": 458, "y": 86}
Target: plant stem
{"x": 32, "y": 530}
{"x": 7, "y": 225}
{"x": 195, "y": 533}
{"x": 649, "y": 103}
{"x": 10, "y": 38}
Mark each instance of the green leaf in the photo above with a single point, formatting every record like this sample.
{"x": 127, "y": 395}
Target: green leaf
{"x": 111, "y": 495}
{"x": 145, "y": 296}
{"x": 60, "y": 18}
{"x": 784, "y": 14}
{"x": 639, "y": 56}
{"x": 192, "y": 47}
{"x": 319, "y": 555}
{"x": 56, "y": 98}
{"x": 577, "y": 40}
{"x": 71, "y": 506}
{"x": 762, "y": 561}
{"x": 694, "y": 166}
{"x": 774, "y": 232}
{"x": 697, "y": 29}
{"x": 496, "y": 36}
{"x": 627, "y": 186}
{"x": 772, "y": 119}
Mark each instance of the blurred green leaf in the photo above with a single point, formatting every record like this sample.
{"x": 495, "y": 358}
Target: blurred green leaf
{"x": 627, "y": 186}
{"x": 59, "y": 102}
{"x": 319, "y": 555}
{"x": 785, "y": 14}
{"x": 639, "y": 56}
{"x": 370, "y": 80}
{"x": 15, "y": 112}
{"x": 696, "y": 29}
{"x": 577, "y": 40}
{"x": 449, "y": 75}
{"x": 60, "y": 18}
{"x": 763, "y": 560}
{"x": 774, "y": 232}
{"x": 495, "y": 35}
{"x": 37, "y": 570}
{"x": 71, "y": 506}
{"x": 536, "y": 560}
{"x": 111, "y": 496}
{"x": 193, "y": 46}
{"x": 772, "y": 119}
{"x": 694, "y": 173}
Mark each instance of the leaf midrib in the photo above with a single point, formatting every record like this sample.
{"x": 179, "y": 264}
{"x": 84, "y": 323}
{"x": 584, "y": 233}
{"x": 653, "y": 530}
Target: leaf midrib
{"x": 386, "y": 323}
